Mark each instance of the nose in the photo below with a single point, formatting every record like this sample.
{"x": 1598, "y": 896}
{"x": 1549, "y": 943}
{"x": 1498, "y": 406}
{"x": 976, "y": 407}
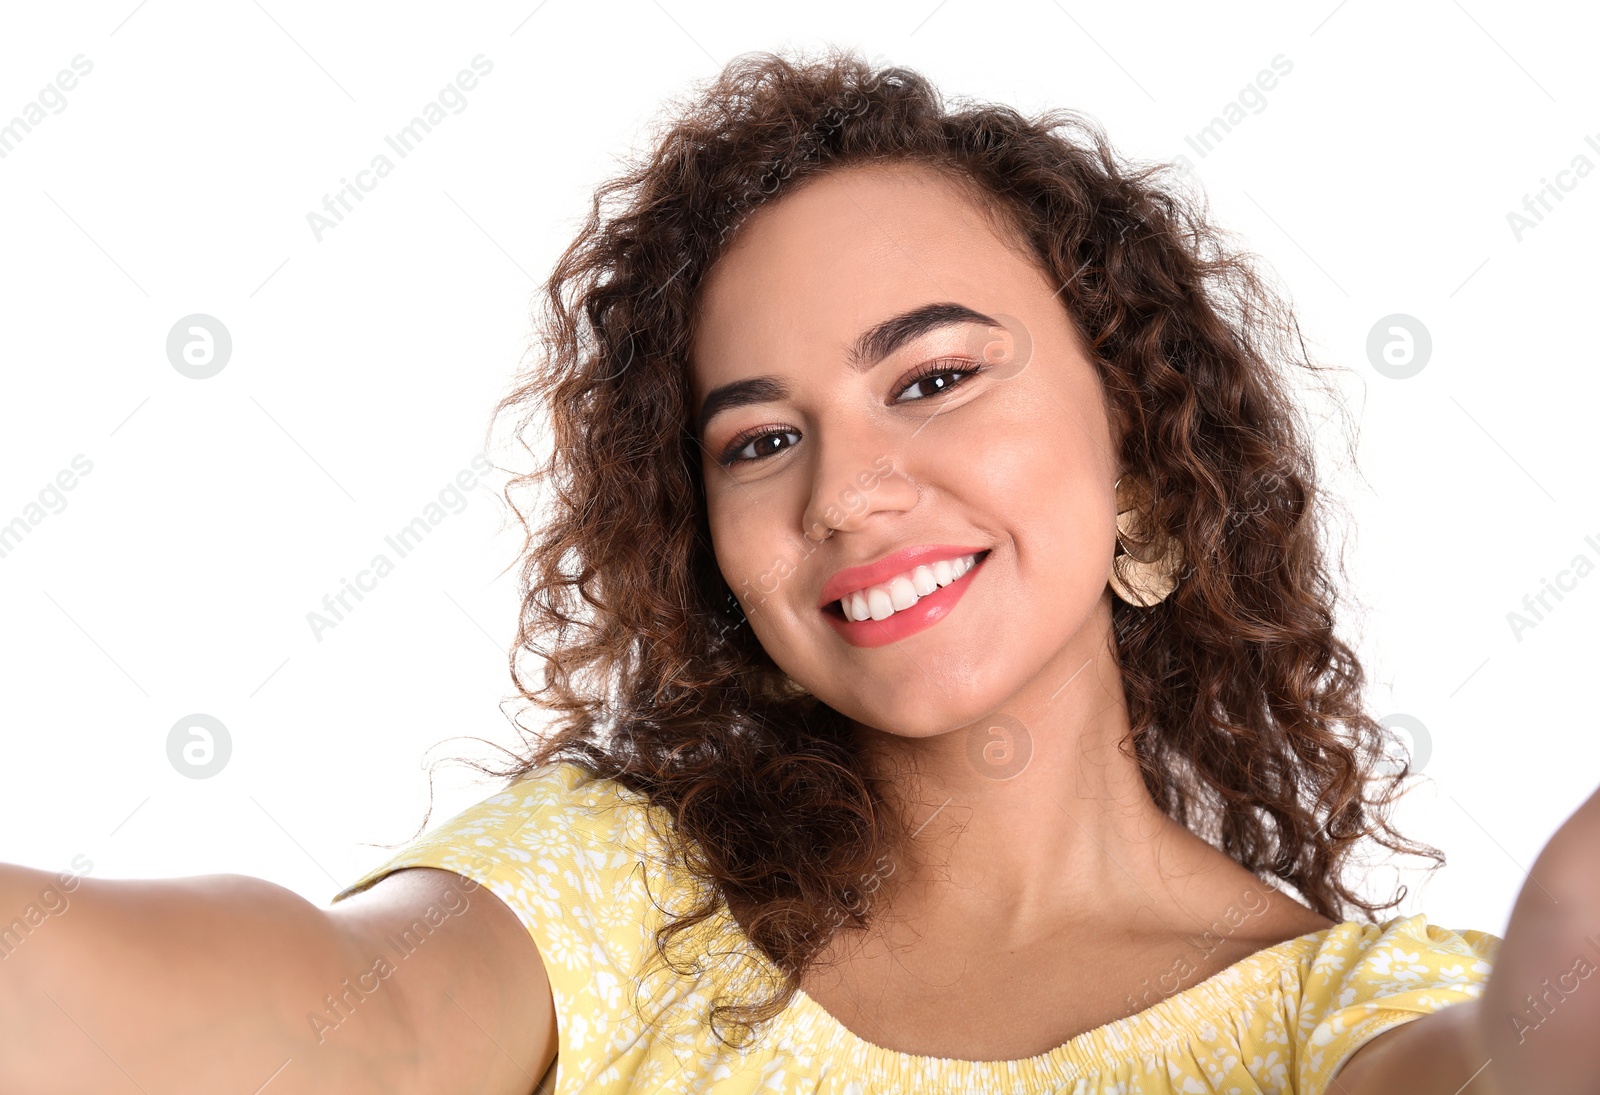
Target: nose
{"x": 855, "y": 476}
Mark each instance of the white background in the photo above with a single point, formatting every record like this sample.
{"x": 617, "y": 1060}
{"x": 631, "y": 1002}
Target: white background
{"x": 1377, "y": 179}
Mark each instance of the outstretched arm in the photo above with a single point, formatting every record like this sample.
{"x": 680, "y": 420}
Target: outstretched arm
{"x": 1536, "y": 1027}
{"x": 229, "y": 983}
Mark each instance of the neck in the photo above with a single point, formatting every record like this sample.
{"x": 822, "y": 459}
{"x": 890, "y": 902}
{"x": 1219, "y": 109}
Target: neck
{"x": 1036, "y": 811}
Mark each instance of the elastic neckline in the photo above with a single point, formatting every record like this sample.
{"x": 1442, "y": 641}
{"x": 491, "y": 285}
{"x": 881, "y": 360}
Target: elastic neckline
{"x": 1106, "y": 1047}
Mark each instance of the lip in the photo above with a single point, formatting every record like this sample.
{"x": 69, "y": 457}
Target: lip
{"x": 851, "y": 579}
{"x": 925, "y": 613}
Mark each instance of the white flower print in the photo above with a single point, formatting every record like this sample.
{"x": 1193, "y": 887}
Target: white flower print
{"x": 565, "y": 851}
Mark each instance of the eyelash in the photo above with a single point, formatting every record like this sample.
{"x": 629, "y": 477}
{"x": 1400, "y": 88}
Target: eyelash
{"x": 945, "y": 366}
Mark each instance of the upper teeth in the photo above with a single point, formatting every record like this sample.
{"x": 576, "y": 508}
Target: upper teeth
{"x": 883, "y": 600}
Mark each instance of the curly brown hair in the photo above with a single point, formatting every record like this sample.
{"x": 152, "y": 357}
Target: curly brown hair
{"x": 1246, "y": 710}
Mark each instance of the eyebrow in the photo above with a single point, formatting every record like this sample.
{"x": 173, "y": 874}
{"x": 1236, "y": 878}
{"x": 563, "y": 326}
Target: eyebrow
{"x": 869, "y": 348}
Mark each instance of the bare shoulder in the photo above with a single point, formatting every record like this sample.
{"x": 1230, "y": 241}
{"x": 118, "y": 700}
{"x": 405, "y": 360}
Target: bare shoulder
{"x": 1434, "y": 1054}
{"x": 1287, "y": 918}
{"x": 472, "y": 986}
{"x": 1233, "y": 902}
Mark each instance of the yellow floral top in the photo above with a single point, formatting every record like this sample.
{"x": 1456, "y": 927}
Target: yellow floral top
{"x": 574, "y": 858}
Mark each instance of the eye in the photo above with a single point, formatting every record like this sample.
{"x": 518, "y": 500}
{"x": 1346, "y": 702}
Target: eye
{"x": 754, "y": 445}
{"x": 941, "y": 370}
{"x": 750, "y": 447}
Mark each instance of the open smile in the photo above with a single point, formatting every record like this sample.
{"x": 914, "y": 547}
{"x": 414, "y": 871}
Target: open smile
{"x": 904, "y": 604}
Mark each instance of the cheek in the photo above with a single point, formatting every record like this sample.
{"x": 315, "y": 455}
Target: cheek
{"x": 1046, "y": 481}
{"x": 731, "y": 550}
{"x": 1059, "y": 510}
{"x": 745, "y": 538}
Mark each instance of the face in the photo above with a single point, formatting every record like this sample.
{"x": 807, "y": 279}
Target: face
{"x": 875, "y": 356}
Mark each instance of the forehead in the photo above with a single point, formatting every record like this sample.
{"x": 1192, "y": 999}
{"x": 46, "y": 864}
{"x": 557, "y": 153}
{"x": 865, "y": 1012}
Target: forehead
{"x": 807, "y": 273}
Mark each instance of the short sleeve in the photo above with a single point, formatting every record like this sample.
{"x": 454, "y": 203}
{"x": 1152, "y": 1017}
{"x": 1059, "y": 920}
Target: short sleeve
{"x": 560, "y": 849}
{"x": 1368, "y": 978}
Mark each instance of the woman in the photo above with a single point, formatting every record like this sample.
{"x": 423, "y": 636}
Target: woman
{"x": 946, "y": 696}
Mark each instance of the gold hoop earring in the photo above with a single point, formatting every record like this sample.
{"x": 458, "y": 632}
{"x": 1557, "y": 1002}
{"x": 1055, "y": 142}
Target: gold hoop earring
{"x": 1146, "y": 570}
